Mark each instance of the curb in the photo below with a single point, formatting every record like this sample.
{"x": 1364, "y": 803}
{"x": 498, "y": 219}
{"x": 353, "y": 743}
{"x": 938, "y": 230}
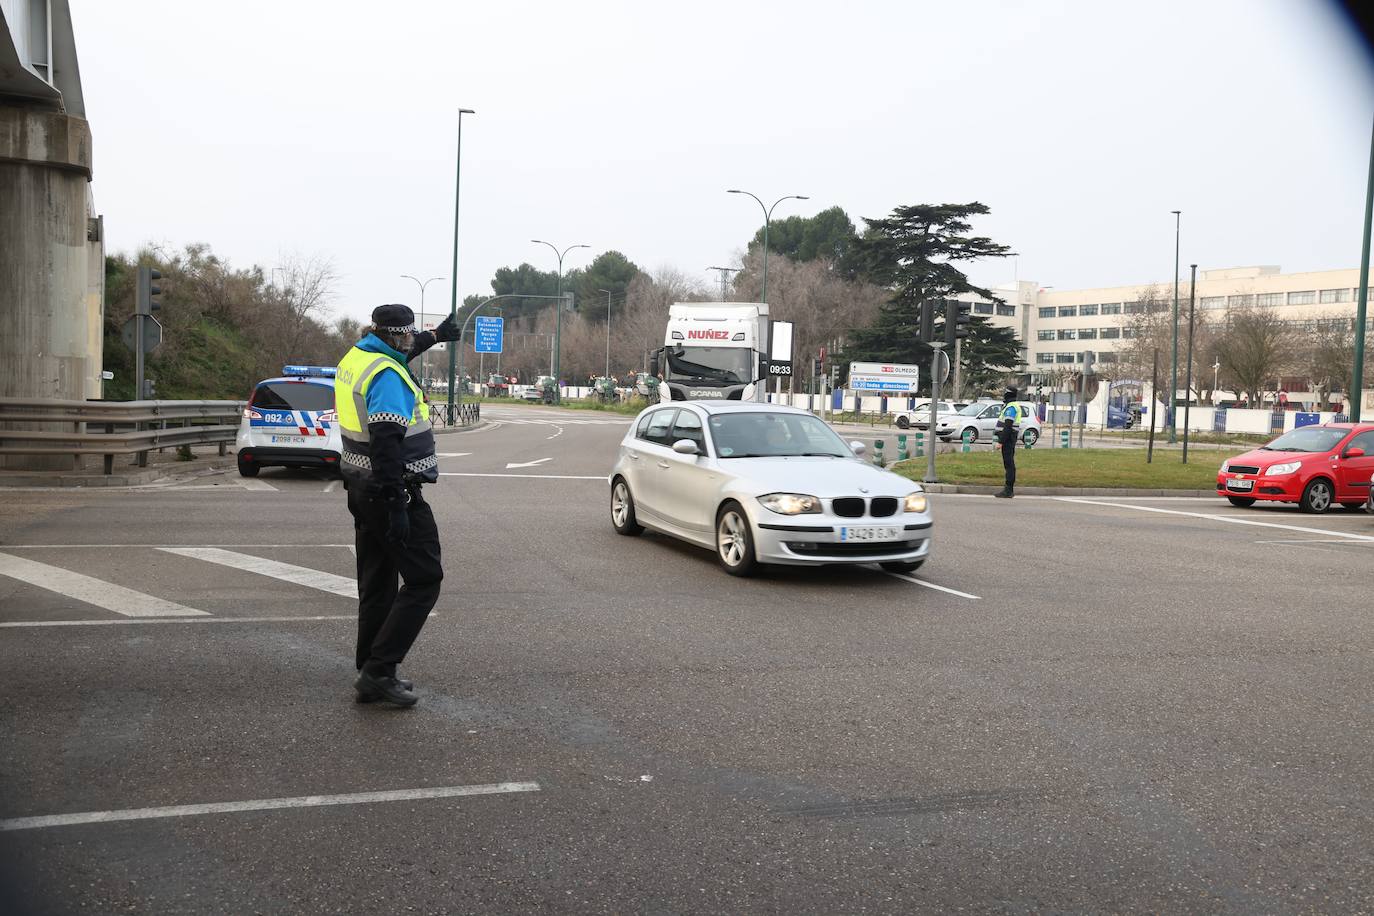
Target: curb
{"x": 102, "y": 481}
{"x": 985, "y": 490}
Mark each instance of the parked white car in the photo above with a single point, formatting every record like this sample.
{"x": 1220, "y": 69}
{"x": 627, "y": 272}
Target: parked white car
{"x": 760, "y": 483}
{"x": 920, "y": 417}
{"x": 979, "y": 421}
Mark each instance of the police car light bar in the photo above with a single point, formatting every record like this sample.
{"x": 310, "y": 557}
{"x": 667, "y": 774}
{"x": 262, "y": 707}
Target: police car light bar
{"x": 310, "y": 371}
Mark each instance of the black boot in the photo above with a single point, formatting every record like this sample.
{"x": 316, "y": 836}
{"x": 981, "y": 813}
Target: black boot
{"x": 1005, "y": 494}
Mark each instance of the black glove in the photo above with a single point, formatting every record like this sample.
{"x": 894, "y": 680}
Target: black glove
{"x": 398, "y": 519}
{"x": 448, "y": 330}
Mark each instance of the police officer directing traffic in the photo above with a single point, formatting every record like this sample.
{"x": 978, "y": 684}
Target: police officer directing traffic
{"x": 1007, "y": 423}
{"x": 388, "y": 455}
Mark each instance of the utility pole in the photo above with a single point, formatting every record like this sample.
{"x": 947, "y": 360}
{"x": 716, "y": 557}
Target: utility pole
{"x": 1154, "y": 397}
{"x": 453, "y": 306}
{"x": 1173, "y": 371}
{"x": 1361, "y": 308}
{"x": 1188, "y": 385}
{"x": 608, "y": 331}
{"x": 724, "y": 280}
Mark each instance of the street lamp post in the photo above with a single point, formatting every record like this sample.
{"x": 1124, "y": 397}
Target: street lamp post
{"x": 1188, "y": 385}
{"x": 1361, "y": 307}
{"x": 558, "y": 322}
{"x": 453, "y": 306}
{"x": 767, "y": 218}
{"x": 608, "y": 331}
{"x": 424, "y": 371}
{"x": 1173, "y": 365}
{"x": 1216, "y": 368}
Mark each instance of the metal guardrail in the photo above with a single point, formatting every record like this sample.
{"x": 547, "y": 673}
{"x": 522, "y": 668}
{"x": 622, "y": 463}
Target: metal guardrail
{"x": 120, "y": 427}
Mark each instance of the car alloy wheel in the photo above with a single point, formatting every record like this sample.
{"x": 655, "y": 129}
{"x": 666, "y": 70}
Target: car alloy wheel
{"x": 970, "y": 434}
{"x": 1317, "y": 497}
{"x": 623, "y": 510}
{"x": 734, "y": 543}
{"x": 903, "y": 423}
{"x": 1031, "y": 436}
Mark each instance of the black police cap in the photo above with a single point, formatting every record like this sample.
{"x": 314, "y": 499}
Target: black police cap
{"x": 393, "y": 317}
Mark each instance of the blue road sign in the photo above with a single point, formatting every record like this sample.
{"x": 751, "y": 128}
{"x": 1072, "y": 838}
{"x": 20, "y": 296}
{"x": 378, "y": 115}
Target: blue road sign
{"x": 489, "y": 334}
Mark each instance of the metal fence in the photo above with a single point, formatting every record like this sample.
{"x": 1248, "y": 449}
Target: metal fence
{"x": 110, "y": 428}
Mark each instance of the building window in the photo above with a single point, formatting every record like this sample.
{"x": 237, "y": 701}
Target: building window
{"x": 1269, "y": 299}
{"x": 1111, "y": 334}
{"x": 1068, "y": 334}
{"x": 1068, "y": 311}
{"x": 1235, "y": 302}
{"x": 1336, "y": 295}
{"x": 1006, "y": 310}
{"x": 1135, "y": 308}
{"x": 1212, "y": 302}
{"x": 1046, "y": 335}
{"x": 1049, "y": 358}
{"x": 1066, "y": 358}
{"x": 1107, "y": 357}
{"x": 1127, "y": 333}
{"x": 1048, "y": 311}
{"x": 1087, "y": 310}
{"x": 982, "y": 308}
{"x": 1111, "y": 308}
{"x": 1087, "y": 333}
{"x": 1302, "y": 297}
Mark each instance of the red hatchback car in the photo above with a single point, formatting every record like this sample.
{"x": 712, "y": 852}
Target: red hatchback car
{"x": 1313, "y": 466}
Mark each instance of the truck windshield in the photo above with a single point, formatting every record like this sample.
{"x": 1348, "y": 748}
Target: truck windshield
{"x": 721, "y": 364}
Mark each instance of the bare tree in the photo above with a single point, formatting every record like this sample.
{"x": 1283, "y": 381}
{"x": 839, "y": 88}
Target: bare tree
{"x": 307, "y": 286}
{"x": 1254, "y": 348}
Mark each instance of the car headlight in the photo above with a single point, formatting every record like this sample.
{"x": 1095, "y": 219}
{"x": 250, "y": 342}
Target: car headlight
{"x": 1225, "y": 467}
{"x": 1287, "y": 467}
{"x": 915, "y": 502}
{"x": 790, "y": 503}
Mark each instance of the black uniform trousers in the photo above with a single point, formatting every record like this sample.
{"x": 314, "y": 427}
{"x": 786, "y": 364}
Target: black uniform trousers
{"x": 390, "y": 618}
{"x": 1009, "y": 459}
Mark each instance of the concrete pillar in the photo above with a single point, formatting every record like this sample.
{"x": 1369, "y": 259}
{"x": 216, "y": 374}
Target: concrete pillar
{"x": 51, "y": 261}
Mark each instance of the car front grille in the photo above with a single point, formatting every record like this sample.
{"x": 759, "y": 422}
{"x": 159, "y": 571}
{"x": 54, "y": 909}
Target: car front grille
{"x": 1242, "y": 469}
{"x": 856, "y": 506}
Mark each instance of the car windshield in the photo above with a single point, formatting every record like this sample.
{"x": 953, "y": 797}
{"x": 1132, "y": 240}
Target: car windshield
{"x": 1307, "y": 439}
{"x": 974, "y": 410}
{"x": 294, "y": 396}
{"x": 718, "y": 364}
{"x": 756, "y": 434}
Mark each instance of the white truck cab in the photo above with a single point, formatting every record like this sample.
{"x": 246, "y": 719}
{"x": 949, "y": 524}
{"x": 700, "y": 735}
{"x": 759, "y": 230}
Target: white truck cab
{"x": 713, "y": 350}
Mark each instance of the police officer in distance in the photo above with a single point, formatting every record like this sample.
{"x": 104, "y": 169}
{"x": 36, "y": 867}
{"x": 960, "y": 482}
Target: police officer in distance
{"x": 1008, "y": 423}
{"x": 388, "y": 455}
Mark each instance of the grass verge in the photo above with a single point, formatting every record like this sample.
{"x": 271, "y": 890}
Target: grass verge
{"x": 1047, "y": 467}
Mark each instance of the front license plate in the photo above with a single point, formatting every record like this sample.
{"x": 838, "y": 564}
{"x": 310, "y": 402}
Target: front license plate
{"x": 870, "y": 533}
{"x": 289, "y": 440}
{"x": 1240, "y": 484}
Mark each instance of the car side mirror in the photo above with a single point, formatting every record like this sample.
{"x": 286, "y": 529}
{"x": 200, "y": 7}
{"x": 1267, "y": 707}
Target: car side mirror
{"x": 686, "y": 447}
{"x": 1355, "y": 452}
{"x": 858, "y": 448}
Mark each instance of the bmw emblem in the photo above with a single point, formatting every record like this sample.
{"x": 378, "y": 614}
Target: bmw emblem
{"x": 863, "y": 489}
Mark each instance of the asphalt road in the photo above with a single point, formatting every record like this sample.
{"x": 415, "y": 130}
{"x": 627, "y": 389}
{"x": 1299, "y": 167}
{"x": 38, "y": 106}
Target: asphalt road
{"x": 1098, "y": 705}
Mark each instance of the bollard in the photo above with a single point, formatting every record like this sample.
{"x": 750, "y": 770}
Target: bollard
{"x": 878, "y": 452}
{"x": 967, "y": 446}
{"x": 901, "y": 447}
{"x": 1064, "y": 435}
{"x": 920, "y": 445}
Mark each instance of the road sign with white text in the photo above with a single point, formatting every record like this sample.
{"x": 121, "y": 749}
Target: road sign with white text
{"x": 489, "y": 335}
{"x": 901, "y": 377}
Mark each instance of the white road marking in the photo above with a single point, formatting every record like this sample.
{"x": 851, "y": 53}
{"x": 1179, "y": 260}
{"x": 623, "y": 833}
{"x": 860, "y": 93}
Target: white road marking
{"x": 331, "y": 486}
{"x": 938, "y": 588}
{"x": 252, "y": 483}
{"x": 527, "y": 464}
{"x": 300, "y": 575}
{"x": 263, "y": 804}
{"x": 124, "y": 622}
{"x": 1210, "y": 516}
{"x": 600, "y": 477}
{"x": 1336, "y": 540}
{"x": 555, "y": 435}
{"x": 154, "y": 546}
{"x": 452, "y": 454}
{"x": 111, "y": 597}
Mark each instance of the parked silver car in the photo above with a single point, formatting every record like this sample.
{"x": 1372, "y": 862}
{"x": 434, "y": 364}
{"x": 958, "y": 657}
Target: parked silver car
{"x": 761, "y": 483}
{"x": 979, "y": 421}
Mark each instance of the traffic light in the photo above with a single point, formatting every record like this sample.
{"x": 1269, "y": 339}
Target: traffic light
{"x": 145, "y": 304}
{"x": 816, "y": 366}
{"x": 149, "y": 390}
{"x": 927, "y": 321}
{"x": 958, "y": 316}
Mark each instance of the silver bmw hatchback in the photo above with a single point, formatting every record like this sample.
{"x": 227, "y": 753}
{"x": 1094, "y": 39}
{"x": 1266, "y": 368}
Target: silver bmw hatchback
{"x": 761, "y": 483}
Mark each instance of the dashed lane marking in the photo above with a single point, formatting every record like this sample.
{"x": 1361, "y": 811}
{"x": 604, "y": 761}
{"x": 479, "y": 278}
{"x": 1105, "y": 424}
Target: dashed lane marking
{"x": 287, "y": 572}
{"x": 111, "y": 597}
{"x": 263, "y": 804}
{"x": 252, "y": 483}
{"x": 1210, "y": 516}
{"x": 939, "y": 588}
{"x": 37, "y": 624}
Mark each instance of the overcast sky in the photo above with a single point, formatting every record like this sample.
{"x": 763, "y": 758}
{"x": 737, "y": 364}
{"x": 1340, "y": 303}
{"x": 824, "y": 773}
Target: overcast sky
{"x": 328, "y": 128}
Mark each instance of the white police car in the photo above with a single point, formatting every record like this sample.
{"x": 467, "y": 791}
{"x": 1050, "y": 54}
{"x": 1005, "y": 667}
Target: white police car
{"x": 290, "y": 422}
